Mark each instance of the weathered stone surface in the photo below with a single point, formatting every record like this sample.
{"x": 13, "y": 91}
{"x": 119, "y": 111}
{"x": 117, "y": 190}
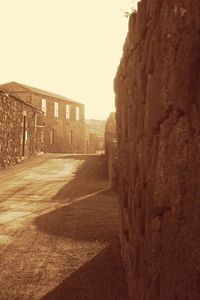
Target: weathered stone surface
{"x": 111, "y": 149}
{"x": 69, "y": 134}
{"x": 158, "y": 126}
{"x": 12, "y": 112}
{"x": 61, "y": 134}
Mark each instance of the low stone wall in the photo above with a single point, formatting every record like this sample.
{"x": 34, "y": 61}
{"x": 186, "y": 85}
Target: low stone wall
{"x": 12, "y": 112}
{"x": 158, "y": 126}
{"x": 111, "y": 149}
{"x": 111, "y": 163}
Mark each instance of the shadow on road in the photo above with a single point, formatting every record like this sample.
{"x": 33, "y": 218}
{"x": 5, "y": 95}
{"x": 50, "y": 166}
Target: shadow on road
{"x": 100, "y": 278}
{"x": 89, "y": 219}
{"x": 88, "y": 178}
{"x": 94, "y": 218}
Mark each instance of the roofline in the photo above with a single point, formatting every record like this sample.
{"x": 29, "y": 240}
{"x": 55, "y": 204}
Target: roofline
{"x": 20, "y": 100}
{"x": 20, "y": 85}
{"x": 29, "y": 90}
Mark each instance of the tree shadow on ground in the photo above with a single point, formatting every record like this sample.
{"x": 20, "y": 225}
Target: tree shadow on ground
{"x": 94, "y": 218}
{"x": 88, "y": 178}
{"x": 100, "y": 278}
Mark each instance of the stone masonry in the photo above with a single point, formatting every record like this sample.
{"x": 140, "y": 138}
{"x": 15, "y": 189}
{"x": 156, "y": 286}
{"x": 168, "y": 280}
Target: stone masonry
{"x": 158, "y": 127}
{"x": 69, "y": 134}
{"x": 62, "y": 134}
{"x": 15, "y": 134}
{"x": 111, "y": 149}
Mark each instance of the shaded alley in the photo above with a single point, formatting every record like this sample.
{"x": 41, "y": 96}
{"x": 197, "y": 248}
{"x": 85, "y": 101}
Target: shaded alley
{"x": 59, "y": 231}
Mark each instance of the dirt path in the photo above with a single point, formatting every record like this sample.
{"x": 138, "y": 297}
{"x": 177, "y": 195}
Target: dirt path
{"x": 59, "y": 231}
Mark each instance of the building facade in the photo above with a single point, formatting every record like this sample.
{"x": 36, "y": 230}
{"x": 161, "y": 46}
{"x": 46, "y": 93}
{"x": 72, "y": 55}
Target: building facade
{"x": 64, "y": 130}
{"x": 95, "y": 136}
{"x": 110, "y": 131}
{"x": 21, "y": 130}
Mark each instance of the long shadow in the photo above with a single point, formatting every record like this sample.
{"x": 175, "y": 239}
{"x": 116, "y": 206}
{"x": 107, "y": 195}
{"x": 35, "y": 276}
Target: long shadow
{"x": 88, "y": 178}
{"x": 100, "y": 278}
{"x": 94, "y": 218}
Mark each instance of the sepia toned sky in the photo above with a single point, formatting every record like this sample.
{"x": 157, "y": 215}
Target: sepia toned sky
{"x": 70, "y": 47}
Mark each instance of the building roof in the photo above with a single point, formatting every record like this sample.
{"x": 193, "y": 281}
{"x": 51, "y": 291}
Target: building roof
{"x": 18, "y": 99}
{"x": 44, "y": 92}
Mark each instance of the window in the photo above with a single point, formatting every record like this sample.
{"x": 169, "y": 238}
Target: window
{"x": 67, "y": 111}
{"x": 56, "y": 109}
{"x": 44, "y": 106}
{"x": 77, "y": 113}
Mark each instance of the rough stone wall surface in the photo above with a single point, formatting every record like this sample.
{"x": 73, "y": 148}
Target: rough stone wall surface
{"x": 111, "y": 164}
{"x": 12, "y": 113}
{"x": 111, "y": 149}
{"x": 68, "y": 134}
{"x": 158, "y": 127}
{"x": 110, "y": 130}
{"x": 18, "y": 91}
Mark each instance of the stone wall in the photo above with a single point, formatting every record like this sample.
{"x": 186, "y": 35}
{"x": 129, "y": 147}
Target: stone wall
{"x": 61, "y": 135}
{"x": 110, "y": 130}
{"x": 18, "y": 91}
{"x": 111, "y": 164}
{"x": 111, "y": 149}
{"x": 12, "y": 112}
{"x": 158, "y": 126}
{"x": 69, "y": 134}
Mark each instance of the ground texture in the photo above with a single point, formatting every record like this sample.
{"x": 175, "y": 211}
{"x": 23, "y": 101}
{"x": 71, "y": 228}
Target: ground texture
{"x": 59, "y": 231}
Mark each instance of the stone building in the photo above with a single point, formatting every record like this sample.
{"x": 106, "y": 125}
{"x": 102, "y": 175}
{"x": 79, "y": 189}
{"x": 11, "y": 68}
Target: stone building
{"x": 21, "y": 130}
{"x": 111, "y": 148}
{"x": 158, "y": 128}
{"x": 96, "y": 142}
{"x": 110, "y": 130}
{"x": 64, "y": 130}
{"x": 95, "y": 136}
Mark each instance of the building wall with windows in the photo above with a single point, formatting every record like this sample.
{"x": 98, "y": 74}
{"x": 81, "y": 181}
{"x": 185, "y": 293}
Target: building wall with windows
{"x": 65, "y": 124}
{"x": 21, "y": 130}
{"x": 64, "y": 130}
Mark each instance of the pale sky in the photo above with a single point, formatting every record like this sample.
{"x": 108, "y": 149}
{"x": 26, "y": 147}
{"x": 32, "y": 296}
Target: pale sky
{"x": 70, "y": 47}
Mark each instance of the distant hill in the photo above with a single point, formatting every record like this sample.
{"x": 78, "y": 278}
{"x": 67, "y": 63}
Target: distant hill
{"x": 96, "y": 126}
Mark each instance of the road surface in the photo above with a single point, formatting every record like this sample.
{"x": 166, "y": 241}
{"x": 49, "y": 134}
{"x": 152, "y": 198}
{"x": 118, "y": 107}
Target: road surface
{"x": 59, "y": 231}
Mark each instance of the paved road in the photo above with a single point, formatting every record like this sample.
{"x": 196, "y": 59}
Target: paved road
{"x": 59, "y": 231}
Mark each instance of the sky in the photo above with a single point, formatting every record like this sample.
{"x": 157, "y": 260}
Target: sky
{"x": 69, "y": 47}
